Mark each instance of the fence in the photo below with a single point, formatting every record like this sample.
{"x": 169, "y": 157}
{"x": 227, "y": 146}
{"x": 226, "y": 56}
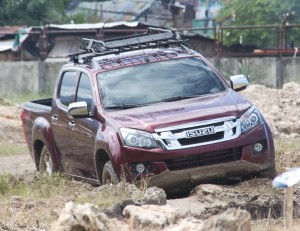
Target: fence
{"x": 272, "y": 40}
{"x": 277, "y": 40}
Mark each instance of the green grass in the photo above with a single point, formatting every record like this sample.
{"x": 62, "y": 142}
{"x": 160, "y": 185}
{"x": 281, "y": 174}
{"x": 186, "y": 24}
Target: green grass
{"x": 108, "y": 195}
{"x": 287, "y": 154}
{"x": 40, "y": 187}
{"x": 13, "y": 149}
{"x": 61, "y": 188}
{"x": 10, "y": 186}
{"x": 19, "y": 99}
{"x": 286, "y": 145}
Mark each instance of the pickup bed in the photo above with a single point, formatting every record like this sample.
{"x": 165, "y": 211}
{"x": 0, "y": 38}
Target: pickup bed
{"x": 137, "y": 107}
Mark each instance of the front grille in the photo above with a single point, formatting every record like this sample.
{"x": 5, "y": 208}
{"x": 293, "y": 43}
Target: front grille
{"x": 201, "y": 139}
{"x": 198, "y": 133}
{"x": 196, "y": 127}
{"x": 205, "y": 159}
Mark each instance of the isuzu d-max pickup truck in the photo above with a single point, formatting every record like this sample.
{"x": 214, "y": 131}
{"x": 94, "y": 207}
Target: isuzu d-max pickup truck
{"x": 147, "y": 106}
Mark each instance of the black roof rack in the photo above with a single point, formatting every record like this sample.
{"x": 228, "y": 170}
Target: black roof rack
{"x": 154, "y": 37}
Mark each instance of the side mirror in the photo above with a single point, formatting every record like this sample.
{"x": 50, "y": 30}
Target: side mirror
{"x": 238, "y": 82}
{"x": 78, "y": 109}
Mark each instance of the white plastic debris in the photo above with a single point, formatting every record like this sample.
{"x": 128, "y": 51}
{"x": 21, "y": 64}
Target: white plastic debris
{"x": 287, "y": 179}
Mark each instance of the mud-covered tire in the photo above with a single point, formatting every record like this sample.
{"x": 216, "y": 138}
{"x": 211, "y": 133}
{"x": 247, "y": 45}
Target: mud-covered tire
{"x": 269, "y": 173}
{"x": 46, "y": 163}
{"x": 108, "y": 174}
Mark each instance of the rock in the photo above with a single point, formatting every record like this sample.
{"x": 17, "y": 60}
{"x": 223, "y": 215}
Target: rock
{"x": 207, "y": 189}
{"x": 187, "y": 224}
{"x": 154, "y": 196}
{"x": 116, "y": 210}
{"x": 88, "y": 217}
{"x": 150, "y": 217}
{"x": 230, "y": 220}
{"x": 81, "y": 217}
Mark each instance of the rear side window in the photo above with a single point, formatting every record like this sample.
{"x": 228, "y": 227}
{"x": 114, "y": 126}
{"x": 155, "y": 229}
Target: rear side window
{"x": 84, "y": 92}
{"x": 67, "y": 88}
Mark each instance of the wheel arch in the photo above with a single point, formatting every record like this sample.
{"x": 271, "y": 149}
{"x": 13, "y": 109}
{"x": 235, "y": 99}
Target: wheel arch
{"x": 38, "y": 146}
{"x": 101, "y": 158}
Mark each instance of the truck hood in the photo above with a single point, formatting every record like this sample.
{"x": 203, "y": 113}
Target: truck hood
{"x": 164, "y": 114}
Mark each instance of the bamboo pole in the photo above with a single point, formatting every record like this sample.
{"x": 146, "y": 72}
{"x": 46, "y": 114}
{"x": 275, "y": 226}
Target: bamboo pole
{"x": 288, "y": 210}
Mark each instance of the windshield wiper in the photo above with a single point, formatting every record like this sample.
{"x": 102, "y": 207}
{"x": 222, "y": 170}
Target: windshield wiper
{"x": 128, "y": 106}
{"x": 123, "y": 106}
{"x": 175, "y": 98}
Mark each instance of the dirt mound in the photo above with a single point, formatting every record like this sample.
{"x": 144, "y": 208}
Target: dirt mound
{"x": 209, "y": 199}
{"x": 280, "y": 107}
{"x": 11, "y": 125}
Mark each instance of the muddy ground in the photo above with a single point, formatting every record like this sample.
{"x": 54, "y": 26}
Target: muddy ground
{"x": 281, "y": 109}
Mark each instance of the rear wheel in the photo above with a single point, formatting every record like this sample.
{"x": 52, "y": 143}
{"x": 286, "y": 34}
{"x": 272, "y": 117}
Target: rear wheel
{"x": 46, "y": 163}
{"x": 108, "y": 175}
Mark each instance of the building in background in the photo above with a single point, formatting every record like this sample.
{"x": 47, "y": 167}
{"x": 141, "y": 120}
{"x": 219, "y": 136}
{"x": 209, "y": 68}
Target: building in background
{"x": 151, "y": 12}
{"x": 193, "y": 14}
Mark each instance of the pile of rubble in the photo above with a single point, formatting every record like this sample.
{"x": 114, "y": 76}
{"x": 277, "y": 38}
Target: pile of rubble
{"x": 151, "y": 213}
{"x": 280, "y": 107}
{"x": 147, "y": 217}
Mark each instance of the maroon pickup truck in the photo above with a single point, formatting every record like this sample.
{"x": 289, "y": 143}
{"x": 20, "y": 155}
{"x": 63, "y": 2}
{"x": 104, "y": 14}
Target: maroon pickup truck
{"x": 147, "y": 106}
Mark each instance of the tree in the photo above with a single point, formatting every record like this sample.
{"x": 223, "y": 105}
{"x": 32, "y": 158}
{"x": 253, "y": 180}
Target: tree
{"x": 32, "y": 12}
{"x": 259, "y": 13}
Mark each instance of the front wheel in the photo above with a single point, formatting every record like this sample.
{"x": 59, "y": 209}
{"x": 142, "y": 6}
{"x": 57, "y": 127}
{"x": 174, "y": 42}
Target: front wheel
{"x": 46, "y": 163}
{"x": 108, "y": 175}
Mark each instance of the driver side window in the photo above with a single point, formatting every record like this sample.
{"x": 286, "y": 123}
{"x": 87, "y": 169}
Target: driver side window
{"x": 67, "y": 88}
{"x": 84, "y": 91}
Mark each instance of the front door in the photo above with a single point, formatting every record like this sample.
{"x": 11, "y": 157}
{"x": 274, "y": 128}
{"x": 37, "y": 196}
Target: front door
{"x": 60, "y": 119}
{"x": 83, "y": 131}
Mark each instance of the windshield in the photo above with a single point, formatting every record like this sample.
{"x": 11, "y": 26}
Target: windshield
{"x": 157, "y": 82}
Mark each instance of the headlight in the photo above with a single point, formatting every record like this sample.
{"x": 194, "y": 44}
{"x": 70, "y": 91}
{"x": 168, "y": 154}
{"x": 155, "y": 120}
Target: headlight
{"x": 136, "y": 138}
{"x": 250, "y": 119}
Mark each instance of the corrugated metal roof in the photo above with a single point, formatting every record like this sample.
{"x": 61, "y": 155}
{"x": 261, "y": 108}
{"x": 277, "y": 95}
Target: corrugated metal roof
{"x": 19, "y": 34}
{"x": 8, "y": 30}
{"x": 6, "y": 44}
{"x": 93, "y": 25}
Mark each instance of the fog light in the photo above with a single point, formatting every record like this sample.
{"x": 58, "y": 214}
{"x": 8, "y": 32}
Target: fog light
{"x": 140, "y": 168}
{"x": 258, "y": 147}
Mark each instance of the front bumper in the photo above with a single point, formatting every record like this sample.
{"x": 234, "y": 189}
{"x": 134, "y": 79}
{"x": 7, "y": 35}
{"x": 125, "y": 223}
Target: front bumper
{"x": 172, "y": 180}
{"x": 204, "y": 164}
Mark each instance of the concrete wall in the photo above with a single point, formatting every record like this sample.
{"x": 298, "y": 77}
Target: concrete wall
{"x": 253, "y": 68}
{"x": 291, "y": 70}
{"x": 52, "y": 69}
{"x": 272, "y": 72}
{"x": 19, "y": 78}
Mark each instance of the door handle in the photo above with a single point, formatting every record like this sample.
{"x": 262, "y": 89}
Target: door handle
{"x": 54, "y": 119}
{"x": 72, "y": 125}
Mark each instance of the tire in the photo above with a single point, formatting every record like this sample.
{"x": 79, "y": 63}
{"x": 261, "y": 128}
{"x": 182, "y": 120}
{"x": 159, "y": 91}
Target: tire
{"x": 108, "y": 174}
{"x": 46, "y": 163}
{"x": 269, "y": 173}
